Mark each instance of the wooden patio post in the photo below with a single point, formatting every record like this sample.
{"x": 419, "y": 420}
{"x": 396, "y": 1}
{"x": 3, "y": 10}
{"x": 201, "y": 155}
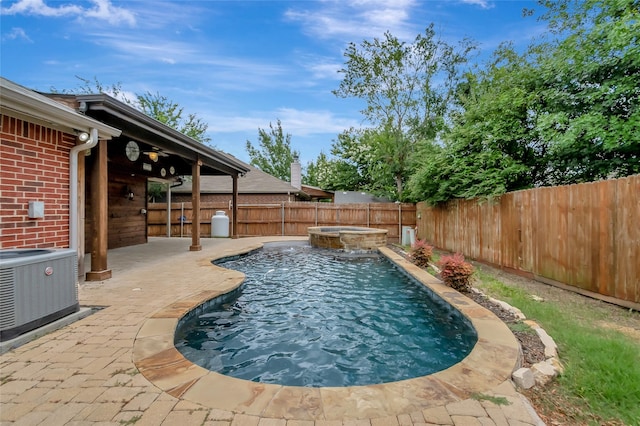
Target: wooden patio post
{"x": 195, "y": 202}
{"x": 234, "y": 206}
{"x": 99, "y": 216}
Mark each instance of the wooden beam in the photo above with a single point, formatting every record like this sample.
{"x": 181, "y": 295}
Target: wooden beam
{"x": 100, "y": 216}
{"x": 195, "y": 200}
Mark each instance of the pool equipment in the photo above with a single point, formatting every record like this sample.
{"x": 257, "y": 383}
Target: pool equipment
{"x": 37, "y": 286}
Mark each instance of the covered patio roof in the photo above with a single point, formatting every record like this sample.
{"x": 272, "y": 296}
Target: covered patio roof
{"x": 187, "y": 156}
{"x": 137, "y": 125}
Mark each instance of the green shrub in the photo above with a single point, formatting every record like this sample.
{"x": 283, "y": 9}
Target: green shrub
{"x": 421, "y": 253}
{"x": 456, "y": 272}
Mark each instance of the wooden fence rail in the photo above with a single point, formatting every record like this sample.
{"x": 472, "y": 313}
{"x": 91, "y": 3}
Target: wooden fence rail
{"x": 287, "y": 218}
{"x": 586, "y": 236}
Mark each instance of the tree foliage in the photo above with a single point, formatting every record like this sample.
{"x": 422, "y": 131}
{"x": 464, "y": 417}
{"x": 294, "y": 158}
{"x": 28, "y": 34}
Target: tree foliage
{"x": 406, "y": 87}
{"x": 316, "y": 172}
{"x": 590, "y": 89}
{"x": 492, "y": 146}
{"x": 566, "y": 111}
{"x": 273, "y": 154}
{"x": 172, "y": 114}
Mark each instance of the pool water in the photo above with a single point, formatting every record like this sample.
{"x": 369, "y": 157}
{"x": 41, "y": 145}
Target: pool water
{"x": 314, "y": 317}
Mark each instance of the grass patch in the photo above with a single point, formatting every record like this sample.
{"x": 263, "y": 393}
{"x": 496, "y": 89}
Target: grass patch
{"x": 498, "y": 400}
{"x": 130, "y": 372}
{"x": 602, "y": 366}
{"x": 521, "y": 327}
{"x": 131, "y": 421}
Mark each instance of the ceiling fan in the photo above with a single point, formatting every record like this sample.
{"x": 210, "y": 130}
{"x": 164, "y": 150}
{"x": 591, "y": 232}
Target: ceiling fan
{"x": 155, "y": 154}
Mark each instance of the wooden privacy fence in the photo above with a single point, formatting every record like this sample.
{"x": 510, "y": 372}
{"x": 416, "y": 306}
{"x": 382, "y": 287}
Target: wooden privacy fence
{"x": 586, "y": 236}
{"x": 286, "y": 218}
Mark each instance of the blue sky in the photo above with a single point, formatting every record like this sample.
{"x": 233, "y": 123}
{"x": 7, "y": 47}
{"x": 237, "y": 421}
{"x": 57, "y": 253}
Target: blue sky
{"x": 239, "y": 65}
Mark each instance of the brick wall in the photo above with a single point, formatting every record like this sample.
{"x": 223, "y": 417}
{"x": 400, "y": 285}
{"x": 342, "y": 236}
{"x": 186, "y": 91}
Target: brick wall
{"x": 34, "y": 166}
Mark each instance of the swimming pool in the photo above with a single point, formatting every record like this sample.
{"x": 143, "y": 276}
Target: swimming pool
{"x": 311, "y": 317}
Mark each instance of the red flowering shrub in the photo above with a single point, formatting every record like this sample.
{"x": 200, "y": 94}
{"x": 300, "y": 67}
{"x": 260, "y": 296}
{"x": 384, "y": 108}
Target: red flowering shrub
{"x": 421, "y": 253}
{"x": 456, "y": 272}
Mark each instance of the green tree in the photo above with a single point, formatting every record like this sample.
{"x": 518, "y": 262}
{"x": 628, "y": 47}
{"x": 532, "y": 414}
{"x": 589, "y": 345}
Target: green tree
{"x": 274, "y": 154}
{"x": 590, "y": 89}
{"x": 352, "y": 156}
{"x": 493, "y": 146}
{"x": 315, "y": 171}
{"x": 566, "y": 111}
{"x": 171, "y": 113}
{"x": 406, "y": 87}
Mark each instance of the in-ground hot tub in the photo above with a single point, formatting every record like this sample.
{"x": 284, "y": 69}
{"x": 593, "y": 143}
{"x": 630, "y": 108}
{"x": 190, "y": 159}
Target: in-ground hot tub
{"x": 347, "y": 237}
{"x": 38, "y": 286}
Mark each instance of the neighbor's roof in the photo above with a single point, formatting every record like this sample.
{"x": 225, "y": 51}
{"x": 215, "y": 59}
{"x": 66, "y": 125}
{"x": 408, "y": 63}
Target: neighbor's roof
{"x": 255, "y": 181}
{"x": 26, "y": 104}
{"x": 315, "y": 191}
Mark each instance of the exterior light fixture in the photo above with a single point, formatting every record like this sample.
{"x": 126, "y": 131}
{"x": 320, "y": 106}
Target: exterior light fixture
{"x": 83, "y": 136}
{"x": 128, "y": 193}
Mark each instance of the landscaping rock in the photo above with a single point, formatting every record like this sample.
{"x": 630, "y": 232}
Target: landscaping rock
{"x": 559, "y": 367}
{"x": 543, "y": 372}
{"x": 507, "y": 307}
{"x": 550, "y": 347}
{"x": 523, "y": 378}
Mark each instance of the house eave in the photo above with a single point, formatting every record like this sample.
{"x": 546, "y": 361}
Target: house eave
{"x": 160, "y": 135}
{"x": 26, "y": 104}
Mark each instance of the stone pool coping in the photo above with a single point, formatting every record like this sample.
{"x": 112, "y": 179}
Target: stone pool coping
{"x": 491, "y": 362}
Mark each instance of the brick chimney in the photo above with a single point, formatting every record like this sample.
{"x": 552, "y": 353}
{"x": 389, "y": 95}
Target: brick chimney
{"x": 296, "y": 173}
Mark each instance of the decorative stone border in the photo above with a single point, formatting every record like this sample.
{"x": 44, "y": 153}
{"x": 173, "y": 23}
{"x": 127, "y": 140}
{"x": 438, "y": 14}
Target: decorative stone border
{"x": 542, "y": 372}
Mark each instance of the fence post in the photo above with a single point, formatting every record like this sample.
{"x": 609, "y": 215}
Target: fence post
{"x": 316, "y": 213}
{"x": 400, "y": 223}
{"x": 282, "y": 214}
{"x": 168, "y": 209}
{"x": 368, "y": 216}
{"x": 181, "y": 218}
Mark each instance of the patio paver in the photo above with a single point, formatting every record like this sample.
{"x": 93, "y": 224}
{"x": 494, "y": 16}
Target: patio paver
{"x": 111, "y": 367}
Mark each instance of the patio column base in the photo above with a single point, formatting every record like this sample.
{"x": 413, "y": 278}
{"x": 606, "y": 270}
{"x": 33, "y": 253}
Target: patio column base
{"x": 98, "y": 275}
{"x": 195, "y": 248}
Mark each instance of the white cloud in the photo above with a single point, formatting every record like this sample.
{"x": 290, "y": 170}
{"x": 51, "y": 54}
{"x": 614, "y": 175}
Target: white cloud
{"x": 320, "y": 67}
{"x": 39, "y": 8}
{"x": 308, "y": 122}
{"x": 294, "y": 121}
{"x": 17, "y": 33}
{"x": 102, "y": 10}
{"x": 106, "y": 11}
{"x": 355, "y": 19}
{"x": 484, "y": 4}
{"x": 147, "y": 49}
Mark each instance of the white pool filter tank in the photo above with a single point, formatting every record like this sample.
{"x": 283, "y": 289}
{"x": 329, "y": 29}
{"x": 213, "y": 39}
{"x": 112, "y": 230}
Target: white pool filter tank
{"x": 220, "y": 225}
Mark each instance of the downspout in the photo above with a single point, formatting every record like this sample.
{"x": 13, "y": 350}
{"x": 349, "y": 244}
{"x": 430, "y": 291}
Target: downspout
{"x": 73, "y": 186}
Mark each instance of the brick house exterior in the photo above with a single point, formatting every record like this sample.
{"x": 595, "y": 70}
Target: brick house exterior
{"x": 36, "y": 139}
{"x": 34, "y": 166}
{"x": 64, "y": 167}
